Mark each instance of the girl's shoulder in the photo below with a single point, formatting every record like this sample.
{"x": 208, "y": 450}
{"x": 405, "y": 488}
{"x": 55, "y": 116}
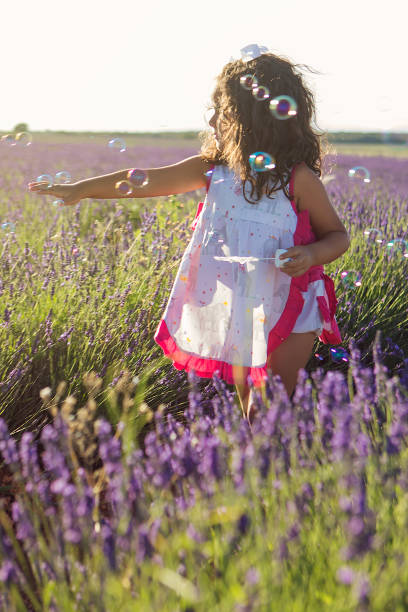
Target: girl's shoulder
{"x": 304, "y": 180}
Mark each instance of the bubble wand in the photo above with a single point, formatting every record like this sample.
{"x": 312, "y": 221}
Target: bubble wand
{"x": 279, "y": 262}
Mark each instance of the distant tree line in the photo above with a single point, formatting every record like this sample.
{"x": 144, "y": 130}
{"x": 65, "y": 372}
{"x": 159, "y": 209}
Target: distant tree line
{"x": 339, "y": 137}
{"x": 344, "y": 137}
{"x": 368, "y": 137}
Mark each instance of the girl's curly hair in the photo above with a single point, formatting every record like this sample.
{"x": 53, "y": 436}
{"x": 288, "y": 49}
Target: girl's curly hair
{"x": 248, "y": 126}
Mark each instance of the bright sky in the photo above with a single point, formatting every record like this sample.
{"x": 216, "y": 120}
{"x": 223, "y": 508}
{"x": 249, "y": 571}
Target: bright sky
{"x": 130, "y": 65}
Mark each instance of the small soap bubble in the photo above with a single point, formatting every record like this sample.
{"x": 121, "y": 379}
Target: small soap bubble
{"x": 319, "y": 356}
{"x": 58, "y": 203}
{"x": 260, "y": 92}
{"x": 138, "y": 177}
{"x": 351, "y": 278}
{"x": 24, "y": 139}
{"x": 63, "y": 177}
{"x": 372, "y": 232}
{"x": 283, "y": 107}
{"x": 261, "y": 161}
{"x": 46, "y": 178}
{"x": 399, "y": 242}
{"x": 8, "y": 227}
{"x": 359, "y": 172}
{"x": 339, "y": 354}
{"x": 8, "y": 139}
{"x": 124, "y": 187}
{"x": 118, "y": 144}
{"x": 248, "y": 81}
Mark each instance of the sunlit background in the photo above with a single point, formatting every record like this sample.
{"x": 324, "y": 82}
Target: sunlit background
{"x": 150, "y": 66}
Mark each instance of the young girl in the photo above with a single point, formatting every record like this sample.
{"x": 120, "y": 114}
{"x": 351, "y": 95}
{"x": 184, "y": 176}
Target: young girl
{"x": 246, "y": 316}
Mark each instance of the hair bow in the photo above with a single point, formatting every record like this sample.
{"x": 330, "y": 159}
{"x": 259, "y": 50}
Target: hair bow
{"x": 252, "y": 51}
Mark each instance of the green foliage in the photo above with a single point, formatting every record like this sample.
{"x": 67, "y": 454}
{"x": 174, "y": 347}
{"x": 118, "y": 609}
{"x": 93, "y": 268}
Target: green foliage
{"x": 204, "y": 561}
{"x": 214, "y": 573}
{"x": 20, "y": 127}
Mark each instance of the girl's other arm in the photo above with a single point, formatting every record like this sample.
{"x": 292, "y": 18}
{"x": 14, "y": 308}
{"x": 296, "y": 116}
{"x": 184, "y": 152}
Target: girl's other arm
{"x": 186, "y": 175}
{"x": 332, "y": 237}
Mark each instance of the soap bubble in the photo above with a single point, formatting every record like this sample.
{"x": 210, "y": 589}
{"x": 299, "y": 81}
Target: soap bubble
{"x": 370, "y": 230}
{"x": 260, "y": 92}
{"x": 359, "y": 172}
{"x": 209, "y": 174}
{"x": 399, "y": 242}
{"x": 137, "y": 177}
{"x": 117, "y": 144}
{"x": 8, "y": 139}
{"x": 339, "y": 354}
{"x": 248, "y": 81}
{"x": 47, "y": 178}
{"x": 124, "y": 187}
{"x": 8, "y": 227}
{"x": 351, "y": 278}
{"x": 283, "y": 107}
{"x": 261, "y": 161}
{"x": 24, "y": 138}
{"x": 58, "y": 203}
{"x": 63, "y": 177}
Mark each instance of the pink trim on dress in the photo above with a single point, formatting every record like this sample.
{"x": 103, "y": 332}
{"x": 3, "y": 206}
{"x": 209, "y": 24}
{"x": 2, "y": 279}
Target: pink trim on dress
{"x": 202, "y": 366}
{"x": 304, "y": 235}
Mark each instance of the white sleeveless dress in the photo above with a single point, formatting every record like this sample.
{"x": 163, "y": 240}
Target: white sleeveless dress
{"x": 223, "y": 312}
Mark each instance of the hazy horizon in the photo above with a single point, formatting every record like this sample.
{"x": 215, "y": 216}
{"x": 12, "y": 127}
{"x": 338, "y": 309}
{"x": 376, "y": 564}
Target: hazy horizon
{"x": 152, "y": 67}
{"x": 180, "y": 131}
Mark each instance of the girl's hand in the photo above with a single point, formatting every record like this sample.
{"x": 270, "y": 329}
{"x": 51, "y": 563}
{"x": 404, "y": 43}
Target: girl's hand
{"x": 71, "y": 193}
{"x": 302, "y": 260}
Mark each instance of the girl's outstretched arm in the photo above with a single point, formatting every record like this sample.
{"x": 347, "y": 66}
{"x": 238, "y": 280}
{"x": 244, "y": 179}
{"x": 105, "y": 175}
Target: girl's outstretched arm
{"x": 186, "y": 175}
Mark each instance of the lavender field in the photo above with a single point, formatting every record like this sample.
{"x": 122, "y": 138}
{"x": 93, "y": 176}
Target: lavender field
{"x": 128, "y": 483}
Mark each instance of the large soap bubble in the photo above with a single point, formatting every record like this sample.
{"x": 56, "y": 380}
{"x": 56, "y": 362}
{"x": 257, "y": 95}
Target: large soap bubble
{"x": 248, "y": 81}
{"x": 283, "y": 107}
{"x": 46, "y": 178}
{"x": 63, "y": 177}
{"x": 124, "y": 187}
{"x": 137, "y": 177}
{"x": 117, "y": 144}
{"x": 359, "y": 172}
{"x": 260, "y": 161}
{"x": 372, "y": 233}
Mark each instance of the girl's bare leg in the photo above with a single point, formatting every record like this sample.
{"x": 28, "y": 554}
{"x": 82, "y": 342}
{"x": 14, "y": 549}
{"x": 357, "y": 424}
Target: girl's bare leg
{"x": 242, "y": 387}
{"x": 286, "y": 360}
